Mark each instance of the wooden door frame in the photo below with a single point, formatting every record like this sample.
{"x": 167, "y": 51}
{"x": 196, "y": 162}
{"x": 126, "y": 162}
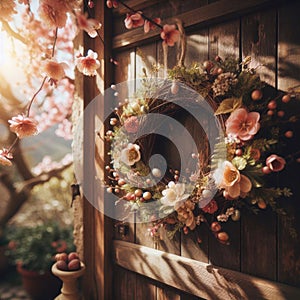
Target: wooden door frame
{"x": 98, "y": 228}
{"x": 99, "y": 249}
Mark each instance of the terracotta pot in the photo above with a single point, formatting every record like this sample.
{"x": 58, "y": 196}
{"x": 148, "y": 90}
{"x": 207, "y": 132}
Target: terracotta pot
{"x": 40, "y": 286}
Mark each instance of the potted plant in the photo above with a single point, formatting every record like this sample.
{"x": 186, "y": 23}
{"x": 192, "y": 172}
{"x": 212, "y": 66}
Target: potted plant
{"x": 32, "y": 249}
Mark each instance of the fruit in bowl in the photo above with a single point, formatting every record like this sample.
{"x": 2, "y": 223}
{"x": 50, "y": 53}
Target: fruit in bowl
{"x": 67, "y": 262}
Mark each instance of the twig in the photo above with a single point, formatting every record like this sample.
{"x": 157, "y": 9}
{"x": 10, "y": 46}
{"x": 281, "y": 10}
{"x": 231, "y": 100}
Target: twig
{"x": 139, "y": 12}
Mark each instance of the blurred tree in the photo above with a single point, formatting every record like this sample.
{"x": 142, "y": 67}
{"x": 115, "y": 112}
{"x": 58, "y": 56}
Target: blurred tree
{"x": 26, "y": 44}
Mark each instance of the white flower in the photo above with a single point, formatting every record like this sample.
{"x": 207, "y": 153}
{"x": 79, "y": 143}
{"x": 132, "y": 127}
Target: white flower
{"x": 131, "y": 154}
{"x": 174, "y": 195}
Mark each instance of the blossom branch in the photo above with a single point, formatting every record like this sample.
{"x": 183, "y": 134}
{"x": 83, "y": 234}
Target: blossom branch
{"x": 142, "y": 15}
{"x": 14, "y": 34}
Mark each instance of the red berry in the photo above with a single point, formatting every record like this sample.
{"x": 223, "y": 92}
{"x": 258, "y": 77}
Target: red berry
{"x": 215, "y": 226}
{"x": 280, "y": 113}
{"x": 73, "y": 255}
{"x": 286, "y": 98}
{"x": 91, "y": 4}
{"x": 270, "y": 112}
{"x": 74, "y": 265}
{"x": 208, "y": 65}
{"x": 238, "y": 152}
{"x": 272, "y": 104}
{"x": 256, "y": 95}
{"x": 289, "y": 134}
{"x": 223, "y": 237}
{"x": 266, "y": 170}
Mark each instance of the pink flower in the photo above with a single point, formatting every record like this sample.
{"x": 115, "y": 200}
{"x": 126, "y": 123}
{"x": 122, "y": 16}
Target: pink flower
{"x": 242, "y": 124}
{"x": 89, "y": 25}
{"x": 170, "y": 34}
{"x": 23, "y": 126}
{"x": 235, "y": 185}
{"x": 134, "y": 20}
{"x": 54, "y": 70}
{"x": 5, "y": 157}
{"x": 151, "y": 26}
{"x": 211, "y": 207}
{"x": 275, "y": 163}
{"x": 7, "y": 9}
{"x": 88, "y": 64}
{"x": 131, "y": 124}
{"x": 53, "y": 13}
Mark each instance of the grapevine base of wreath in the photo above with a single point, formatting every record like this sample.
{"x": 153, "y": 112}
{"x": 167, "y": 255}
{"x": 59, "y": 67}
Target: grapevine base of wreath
{"x": 200, "y": 147}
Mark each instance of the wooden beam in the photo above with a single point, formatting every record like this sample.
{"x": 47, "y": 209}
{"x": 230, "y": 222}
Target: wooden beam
{"x": 136, "y": 5}
{"x": 98, "y": 228}
{"x": 198, "y": 278}
{"x": 200, "y": 17}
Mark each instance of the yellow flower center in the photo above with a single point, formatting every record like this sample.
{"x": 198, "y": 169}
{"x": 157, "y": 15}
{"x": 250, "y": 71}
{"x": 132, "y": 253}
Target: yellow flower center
{"x": 132, "y": 154}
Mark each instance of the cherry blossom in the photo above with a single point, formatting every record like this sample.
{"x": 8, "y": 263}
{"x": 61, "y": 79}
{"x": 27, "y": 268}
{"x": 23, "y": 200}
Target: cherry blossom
{"x": 134, "y": 20}
{"x": 7, "y": 9}
{"x": 148, "y": 25}
{"x": 131, "y": 154}
{"x": 275, "y": 163}
{"x": 89, "y": 25}
{"x": 54, "y": 70}
{"x": 5, "y": 157}
{"x": 23, "y": 126}
{"x": 242, "y": 124}
{"x": 170, "y": 34}
{"x": 88, "y": 64}
{"x": 53, "y": 13}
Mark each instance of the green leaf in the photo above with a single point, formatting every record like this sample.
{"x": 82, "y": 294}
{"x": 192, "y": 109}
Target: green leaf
{"x": 228, "y": 105}
{"x": 239, "y": 162}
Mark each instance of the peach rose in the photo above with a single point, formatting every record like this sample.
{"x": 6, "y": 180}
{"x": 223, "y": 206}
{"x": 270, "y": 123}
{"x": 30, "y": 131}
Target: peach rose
{"x": 235, "y": 185}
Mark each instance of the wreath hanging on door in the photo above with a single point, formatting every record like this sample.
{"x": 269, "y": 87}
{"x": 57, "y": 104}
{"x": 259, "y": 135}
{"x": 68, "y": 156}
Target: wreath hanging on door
{"x": 256, "y": 124}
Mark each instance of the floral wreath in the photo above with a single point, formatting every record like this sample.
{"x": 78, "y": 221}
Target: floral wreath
{"x": 257, "y": 124}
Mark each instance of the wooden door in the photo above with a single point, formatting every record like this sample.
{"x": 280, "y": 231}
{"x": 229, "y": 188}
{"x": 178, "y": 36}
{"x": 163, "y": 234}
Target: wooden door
{"x": 262, "y": 261}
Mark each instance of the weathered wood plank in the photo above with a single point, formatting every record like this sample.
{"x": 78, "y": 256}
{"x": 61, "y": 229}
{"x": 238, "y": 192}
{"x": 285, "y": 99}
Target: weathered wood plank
{"x": 197, "y": 47}
{"x": 288, "y": 76}
{"x": 288, "y": 46}
{"x": 224, "y": 41}
{"x": 259, "y": 232}
{"x": 201, "y": 16}
{"x": 125, "y": 74}
{"x": 97, "y": 227}
{"x": 259, "y": 42}
{"x": 200, "y": 279}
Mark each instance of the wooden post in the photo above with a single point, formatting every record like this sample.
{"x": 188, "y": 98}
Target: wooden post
{"x": 98, "y": 229}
